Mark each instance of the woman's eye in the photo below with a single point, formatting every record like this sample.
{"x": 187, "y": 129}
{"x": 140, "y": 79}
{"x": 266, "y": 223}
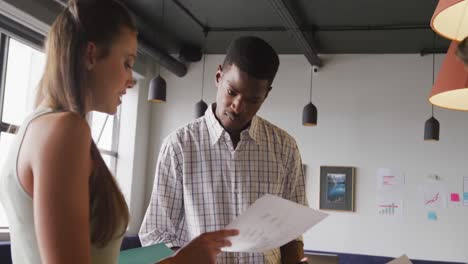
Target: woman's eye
{"x": 128, "y": 66}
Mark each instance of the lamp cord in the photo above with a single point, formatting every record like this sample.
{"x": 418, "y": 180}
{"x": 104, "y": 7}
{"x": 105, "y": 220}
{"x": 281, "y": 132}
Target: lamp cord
{"x": 162, "y": 26}
{"x": 433, "y": 67}
{"x": 311, "y": 74}
{"x": 203, "y": 67}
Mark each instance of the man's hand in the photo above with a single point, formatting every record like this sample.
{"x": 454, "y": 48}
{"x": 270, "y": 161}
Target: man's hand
{"x": 293, "y": 253}
{"x": 203, "y": 249}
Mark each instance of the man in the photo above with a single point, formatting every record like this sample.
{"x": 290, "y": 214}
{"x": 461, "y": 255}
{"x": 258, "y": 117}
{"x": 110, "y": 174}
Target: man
{"x": 211, "y": 170}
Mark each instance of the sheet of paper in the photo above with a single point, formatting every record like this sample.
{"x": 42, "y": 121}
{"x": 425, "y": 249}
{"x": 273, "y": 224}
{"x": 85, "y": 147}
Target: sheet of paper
{"x": 434, "y": 194}
{"x": 454, "y": 197}
{"x": 270, "y": 223}
{"x": 465, "y": 191}
{"x": 401, "y": 260}
{"x": 389, "y": 207}
{"x": 432, "y": 216}
{"x": 389, "y": 179}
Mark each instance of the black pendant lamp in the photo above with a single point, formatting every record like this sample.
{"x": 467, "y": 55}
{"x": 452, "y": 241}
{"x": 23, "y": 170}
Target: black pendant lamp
{"x": 201, "y": 106}
{"x": 309, "y": 114}
{"x": 432, "y": 126}
{"x": 157, "y": 90}
{"x": 157, "y": 86}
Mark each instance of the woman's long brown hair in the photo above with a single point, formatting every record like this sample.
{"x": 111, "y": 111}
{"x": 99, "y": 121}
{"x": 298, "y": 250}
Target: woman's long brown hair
{"x": 63, "y": 88}
{"x": 462, "y": 50}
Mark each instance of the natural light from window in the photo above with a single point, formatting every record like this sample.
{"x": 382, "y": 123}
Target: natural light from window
{"x": 23, "y": 72}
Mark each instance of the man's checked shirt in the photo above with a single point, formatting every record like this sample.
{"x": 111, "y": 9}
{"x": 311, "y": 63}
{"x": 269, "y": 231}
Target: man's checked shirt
{"x": 202, "y": 183}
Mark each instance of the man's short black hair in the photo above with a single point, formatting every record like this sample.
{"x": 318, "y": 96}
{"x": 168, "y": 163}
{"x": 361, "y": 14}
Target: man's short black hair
{"x": 254, "y": 56}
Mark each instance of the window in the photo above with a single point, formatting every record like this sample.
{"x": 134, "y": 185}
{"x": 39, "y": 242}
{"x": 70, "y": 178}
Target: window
{"x": 23, "y": 69}
{"x": 105, "y": 134}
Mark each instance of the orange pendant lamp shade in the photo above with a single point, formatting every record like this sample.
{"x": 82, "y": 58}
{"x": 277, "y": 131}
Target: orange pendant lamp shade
{"x": 450, "y": 19}
{"x": 450, "y": 90}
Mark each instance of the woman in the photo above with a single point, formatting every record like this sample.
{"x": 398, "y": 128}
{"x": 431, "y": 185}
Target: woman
{"x": 62, "y": 202}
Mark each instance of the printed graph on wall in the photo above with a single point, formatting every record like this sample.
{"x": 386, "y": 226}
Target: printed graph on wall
{"x": 389, "y": 208}
{"x": 434, "y": 194}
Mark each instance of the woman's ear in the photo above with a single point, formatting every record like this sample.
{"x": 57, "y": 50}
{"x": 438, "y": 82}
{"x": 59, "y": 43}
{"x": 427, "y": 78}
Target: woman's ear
{"x": 90, "y": 55}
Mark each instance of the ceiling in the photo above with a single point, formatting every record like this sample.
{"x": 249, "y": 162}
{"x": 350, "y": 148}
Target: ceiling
{"x": 308, "y": 27}
{"x": 329, "y": 26}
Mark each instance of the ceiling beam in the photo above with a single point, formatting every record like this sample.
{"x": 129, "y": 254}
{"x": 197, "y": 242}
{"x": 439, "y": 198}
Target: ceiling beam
{"x": 323, "y": 28}
{"x": 162, "y": 58}
{"x": 191, "y": 15}
{"x": 148, "y": 48}
{"x": 289, "y": 22}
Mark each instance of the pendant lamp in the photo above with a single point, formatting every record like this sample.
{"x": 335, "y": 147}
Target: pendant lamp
{"x": 201, "y": 106}
{"x": 157, "y": 90}
{"x": 450, "y": 90}
{"x": 157, "y": 86}
{"x": 432, "y": 126}
{"x": 309, "y": 113}
{"x": 450, "y": 19}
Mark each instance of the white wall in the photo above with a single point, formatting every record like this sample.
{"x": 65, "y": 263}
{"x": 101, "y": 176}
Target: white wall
{"x": 372, "y": 110}
{"x": 132, "y": 148}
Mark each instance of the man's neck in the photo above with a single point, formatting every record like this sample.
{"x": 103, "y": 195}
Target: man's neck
{"x": 235, "y": 138}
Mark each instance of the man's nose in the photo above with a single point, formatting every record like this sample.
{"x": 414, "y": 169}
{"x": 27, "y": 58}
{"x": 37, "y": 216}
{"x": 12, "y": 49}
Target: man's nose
{"x": 238, "y": 105}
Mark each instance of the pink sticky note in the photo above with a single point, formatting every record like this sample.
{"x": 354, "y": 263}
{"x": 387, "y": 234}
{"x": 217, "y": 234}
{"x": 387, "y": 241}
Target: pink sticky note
{"x": 454, "y": 197}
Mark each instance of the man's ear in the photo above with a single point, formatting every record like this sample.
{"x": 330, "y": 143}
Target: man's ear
{"x": 218, "y": 75}
{"x": 268, "y": 92}
{"x": 91, "y": 55}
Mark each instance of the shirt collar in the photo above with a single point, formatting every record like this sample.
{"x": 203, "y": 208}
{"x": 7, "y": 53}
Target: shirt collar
{"x": 216, "y": 130}
{"x": 214, "y": 127}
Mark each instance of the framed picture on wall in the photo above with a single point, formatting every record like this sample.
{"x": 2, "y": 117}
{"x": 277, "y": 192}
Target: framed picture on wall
{"x": 337, "y": 188}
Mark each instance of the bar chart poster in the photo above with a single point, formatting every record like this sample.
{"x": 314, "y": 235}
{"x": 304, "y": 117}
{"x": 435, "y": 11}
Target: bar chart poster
{"x": 389, "y": 208}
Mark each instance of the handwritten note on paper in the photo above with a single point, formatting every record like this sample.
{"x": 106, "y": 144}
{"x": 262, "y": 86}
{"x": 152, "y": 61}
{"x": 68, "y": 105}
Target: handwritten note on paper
{"x": 270, "y": 223}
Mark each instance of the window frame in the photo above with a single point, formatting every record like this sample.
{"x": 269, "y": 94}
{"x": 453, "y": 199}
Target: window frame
{"x": 113, "y": 152}
{"x": 4, "y": 127}
{"x": 4, "y": 41}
